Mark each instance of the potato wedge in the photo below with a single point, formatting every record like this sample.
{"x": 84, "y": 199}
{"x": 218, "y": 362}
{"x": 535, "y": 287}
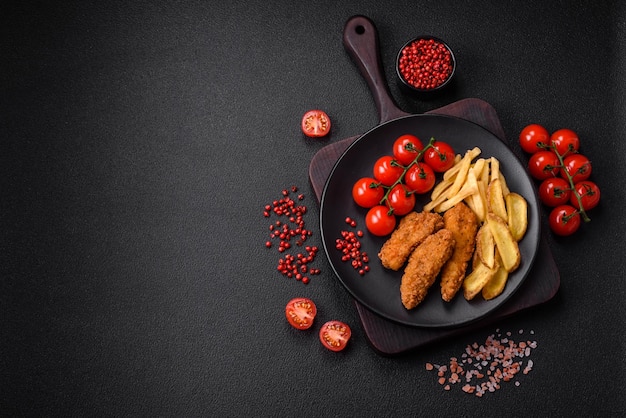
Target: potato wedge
{"x": 517, "y": 211}
{"x": 477, "y": 279}
{"x": 505, "y": 187}
{"x": 495, "y": 199}
{"x": 495, "y": 286}
{"x": 507, "y": 246}
{"x": 486, "y": 246}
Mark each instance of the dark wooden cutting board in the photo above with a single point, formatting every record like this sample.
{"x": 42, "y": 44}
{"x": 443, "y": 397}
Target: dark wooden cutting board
{"x": 390, "y": 338}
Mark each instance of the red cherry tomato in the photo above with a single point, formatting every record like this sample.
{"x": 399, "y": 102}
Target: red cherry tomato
{"x": 564, "y": 220}
{"x": 578, "y": 166}
{"x": 401, "y": 200}
{"x": 554, "y": 191}
{"x": 334, "y": 335}
{"x": 543, "y": 165}
{"x": 379, "y": 221}
{"x": 420, "y": 178}
{"x": 315, "y": 123}
{"x": 387, "y": 171}
{"x": 367, "y": 192}
{"x": 565, "y": 141}
{"x": 533, "y": 137}
{"x": 300, "y": 313}
{"x": 406, "y": 148}
{"x": 440, "y": 157}
{"x": 589, "y": 194}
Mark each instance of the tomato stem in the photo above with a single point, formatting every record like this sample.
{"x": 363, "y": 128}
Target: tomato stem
{"x": 406, "y": 168}
{"x": 570, "y": 179}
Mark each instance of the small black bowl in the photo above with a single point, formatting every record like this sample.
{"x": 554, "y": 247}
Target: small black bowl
{"x": 425, "y": 64}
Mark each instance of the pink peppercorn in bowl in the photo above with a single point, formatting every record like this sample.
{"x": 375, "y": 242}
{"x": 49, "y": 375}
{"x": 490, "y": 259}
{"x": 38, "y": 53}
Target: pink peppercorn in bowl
{"x": 425, "y": 64}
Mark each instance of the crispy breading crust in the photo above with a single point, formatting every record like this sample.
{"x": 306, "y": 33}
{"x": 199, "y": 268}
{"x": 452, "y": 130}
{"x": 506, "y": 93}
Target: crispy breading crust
{"x": 411, "y": 231}
{"x": 463, "y": 223}
{"x": 423, "y": 267}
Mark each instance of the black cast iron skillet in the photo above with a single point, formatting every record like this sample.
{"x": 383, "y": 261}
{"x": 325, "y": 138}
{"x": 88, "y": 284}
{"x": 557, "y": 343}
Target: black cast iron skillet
{"x": 379, "y": 289}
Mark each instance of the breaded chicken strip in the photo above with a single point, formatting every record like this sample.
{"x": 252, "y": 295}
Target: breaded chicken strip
{"x": 411, "y": 231}
{"x": 423, "y": 267}
{"x": 463, "y": 223}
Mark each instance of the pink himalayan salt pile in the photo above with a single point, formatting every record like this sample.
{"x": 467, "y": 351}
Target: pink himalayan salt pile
{"x": 484, "y": 368}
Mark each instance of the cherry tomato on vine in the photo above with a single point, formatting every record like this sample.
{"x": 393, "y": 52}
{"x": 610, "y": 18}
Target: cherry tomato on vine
{"x": 379, "y": 221}
{"x": 300, "y": 313}
{"x": 533, "y": 137}
{"x": 335, "y": 335}
{"x": 589, "y": 194}
{"x": 565, "y": 141}
{"x": 406, "y": 148}
{"x": 440, "y": 157}
{"x": 367, "y": 192}
{"x": 420, "y": 178}
{"x": 564, "y": 220}
{"x": 578, "y": 166}
{"x": 315, "y": 123}
{"x": 543, "y": 165}
{"x": 401, "y": 200}
{"x": 387, "y": 171}
{"x": 554, "y": 191}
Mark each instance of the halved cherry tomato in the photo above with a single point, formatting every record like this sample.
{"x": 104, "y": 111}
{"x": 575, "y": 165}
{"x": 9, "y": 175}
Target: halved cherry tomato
{"x": 387, "y": 171}
{"x": 543, "y": 165}
{"x": 554, "y": 191}
{"x": 379, "y": 221}
{"x": 300, "y": 312}
{"x": 578, "y": 166}
{"x": 406, "y": 148}
{"x": 533, "y": 137}
{"x": 565, "y": 141}
{"x": 315, "y": 123}
{"x": 440, "y": 157}
{"x": 420, "y": 178}
{"x": 401, "y": 200}
{"x": 334, "y": 335}
{"x": 589, "y": 194}
{"x": 564, "y": 220}
{"x": 367, "y": 192}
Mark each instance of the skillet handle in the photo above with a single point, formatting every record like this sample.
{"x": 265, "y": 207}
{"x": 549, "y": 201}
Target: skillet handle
{"x": 360, "y": 38}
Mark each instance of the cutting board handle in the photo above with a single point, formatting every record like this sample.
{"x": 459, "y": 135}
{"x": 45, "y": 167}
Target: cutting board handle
{"x": 360, "y": 38}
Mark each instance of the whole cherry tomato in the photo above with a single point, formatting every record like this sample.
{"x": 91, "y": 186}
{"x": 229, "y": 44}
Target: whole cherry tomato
{"x": 565, "y": 141}
{"x": 315, "y": 123}
{"x": 367, "y": 192}
{"x": 589, "y": 194}
{"x": 554, "y": 191}
{"x": 533, "y": 137}
{"x": 335, "y": 335}
{"x": 543, "y": 164}
{"x": 387, "y": 171}
{"x": 564, "y": 220}
{"x": 406, "y": 148}
{"x": 300, "y": 313}
{"x": 420, "y": 178}
{"x": 440, "y": 157}
{"x": 379, "y": 221}
{"x": 578, "y": 166}
{"x": 401, "y": 200}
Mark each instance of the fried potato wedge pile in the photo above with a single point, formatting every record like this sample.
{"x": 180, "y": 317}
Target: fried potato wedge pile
{"x": 503, "y": 214}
